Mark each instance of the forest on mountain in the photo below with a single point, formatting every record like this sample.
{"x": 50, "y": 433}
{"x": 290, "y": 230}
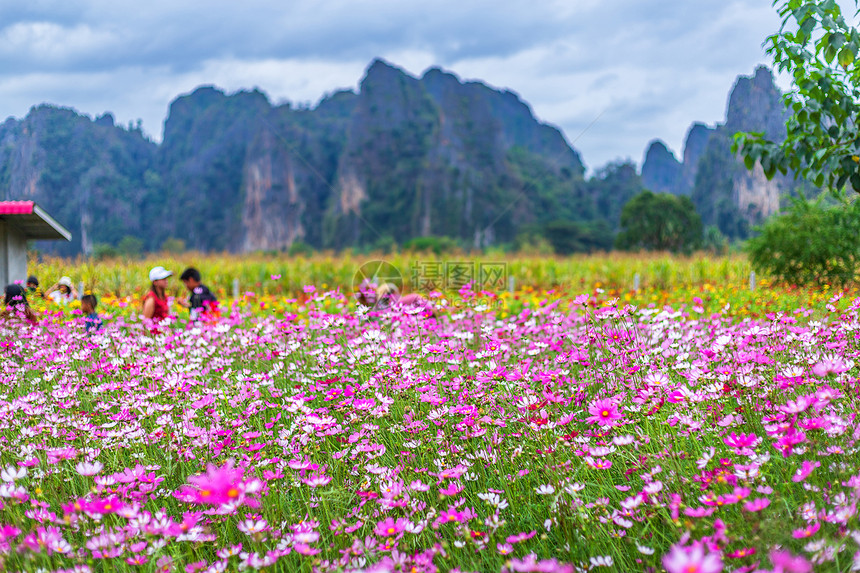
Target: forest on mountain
{"x": 400, "y": 159}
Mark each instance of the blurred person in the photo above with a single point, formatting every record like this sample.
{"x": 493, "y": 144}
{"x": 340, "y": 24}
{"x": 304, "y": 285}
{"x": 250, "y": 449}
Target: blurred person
{"x": 202, "y": 303}
{"x": 16, "y": 305}
{"x": 92, "y": 320}
{"x": 62, "y": 292}
{"x": 33, "y": 287}
{"x": 388, "y": 295}
{"x": 155, "y": 304}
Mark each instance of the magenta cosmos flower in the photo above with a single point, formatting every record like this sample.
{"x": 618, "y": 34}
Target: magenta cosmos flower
{"x": 604, "y": 413}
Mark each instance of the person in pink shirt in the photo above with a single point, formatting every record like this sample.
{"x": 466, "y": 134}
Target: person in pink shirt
{"x": 387, "y": 295}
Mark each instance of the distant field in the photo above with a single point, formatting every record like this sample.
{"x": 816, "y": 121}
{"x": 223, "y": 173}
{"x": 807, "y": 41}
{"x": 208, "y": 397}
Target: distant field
{"x": 256, "y": 272}
{"x": 701, "y": 281}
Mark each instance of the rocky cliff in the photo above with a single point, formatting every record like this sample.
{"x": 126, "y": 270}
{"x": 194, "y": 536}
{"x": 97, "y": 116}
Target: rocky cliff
{"x": 725, "y": 193}
{"x": 403, "y": 157}
{"x": 92, "y": 176}
{"x": 400, "y": 158}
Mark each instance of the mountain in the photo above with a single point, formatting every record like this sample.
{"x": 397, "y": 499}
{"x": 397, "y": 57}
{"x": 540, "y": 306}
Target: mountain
{"x": 92, "y": 176}
{"x": 725, "y": 193}
{"x": 400, "y": 158}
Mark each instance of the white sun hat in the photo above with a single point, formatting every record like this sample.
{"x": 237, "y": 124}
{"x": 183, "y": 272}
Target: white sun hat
{"x": 158, "y": 273}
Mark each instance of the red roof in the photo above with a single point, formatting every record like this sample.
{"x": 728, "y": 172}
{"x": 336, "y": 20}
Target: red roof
{"x": 16, "y": 207}
{"x": 31, "y": 220}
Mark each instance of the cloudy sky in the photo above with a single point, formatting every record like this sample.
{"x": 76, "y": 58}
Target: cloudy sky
{"x": 632, "y": 70}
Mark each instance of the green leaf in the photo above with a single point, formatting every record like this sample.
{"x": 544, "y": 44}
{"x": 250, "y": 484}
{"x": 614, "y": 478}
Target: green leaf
{"x": 846, "y": 57}
{"x": 836, "y": 40}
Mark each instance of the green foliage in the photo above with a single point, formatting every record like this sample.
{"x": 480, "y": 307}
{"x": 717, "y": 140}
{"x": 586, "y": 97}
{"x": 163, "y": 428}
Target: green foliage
{"x": 435, "y": 245}
{"x": 568, "y": 237}
{"x": 384, "y": 244}
{"x": 130, "y": 246}
{"x": 611, "y": 188}
{"x": 173, "y": 245}
{"x": 817, "y": 48}
{"x": 811, "y": 243}
{"x": 104, "y": 251}
{"x": 714, "y": 241}
{"x": 530, "y": 241}
{"x": 659, "y": 222}
{"x": 299, "y": 248}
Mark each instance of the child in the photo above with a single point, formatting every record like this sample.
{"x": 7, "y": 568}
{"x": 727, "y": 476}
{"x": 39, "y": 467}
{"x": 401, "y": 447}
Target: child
{"x": 202, "y": 302}
{"x": 88, "y": 307}
{"x": 16, "y": 305}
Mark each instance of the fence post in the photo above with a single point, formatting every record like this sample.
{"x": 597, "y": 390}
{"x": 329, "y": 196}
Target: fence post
{"x": 235, "y": 289}
{"x": 81, "y": 288}
{"x": 636, "y": 282}
{"x": 752, "y": 280}
{"x": 511, "y": 285}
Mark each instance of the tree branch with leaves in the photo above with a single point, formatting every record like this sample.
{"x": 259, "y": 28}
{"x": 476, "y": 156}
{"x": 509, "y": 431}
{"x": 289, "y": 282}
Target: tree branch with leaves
{"x": 818, "y": 48}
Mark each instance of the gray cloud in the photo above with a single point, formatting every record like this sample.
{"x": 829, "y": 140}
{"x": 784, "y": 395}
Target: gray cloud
{"x": 650, "y": 67}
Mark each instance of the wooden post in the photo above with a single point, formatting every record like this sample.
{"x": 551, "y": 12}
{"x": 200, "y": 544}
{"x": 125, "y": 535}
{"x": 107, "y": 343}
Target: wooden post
{"x": 752, "y": 280}
{"x": 511, "y": 285}
{"x": 235, "y": 289}
{"x": 81, "y": 288}
{"x": 636, "y": 282}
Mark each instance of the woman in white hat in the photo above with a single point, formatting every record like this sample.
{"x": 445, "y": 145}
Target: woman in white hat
{"x": 155, "y": 306}
{"x": 62, "y": 292}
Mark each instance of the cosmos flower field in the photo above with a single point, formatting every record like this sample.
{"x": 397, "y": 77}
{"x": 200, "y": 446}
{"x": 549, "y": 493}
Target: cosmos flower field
{"x": 573, "y": 434}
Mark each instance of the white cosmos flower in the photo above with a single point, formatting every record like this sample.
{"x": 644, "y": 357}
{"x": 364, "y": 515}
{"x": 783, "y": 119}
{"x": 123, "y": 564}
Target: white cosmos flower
{"x": 89, "y": 468}
{"x": 11, "y": 473}
{"x": 545, "y": 490}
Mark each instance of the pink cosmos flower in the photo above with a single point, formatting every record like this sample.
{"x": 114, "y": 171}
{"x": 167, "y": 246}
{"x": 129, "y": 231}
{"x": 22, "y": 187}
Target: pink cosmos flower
{"x": 739, "y": 441}
{"x": 830, "y": 366}
{"x": 522, "y": 536}
{"x": 103, "y": 506}
{"x": 785, "y": 562}
{"x": 452, "y": 489}
{"x": 530, "y": 563}
{"x": 804, "y": 470}
{"x": 316, "y": 480}
{"x": 757, "y": 504}
{"x": 391, "y": 528}
{"x": 604, "y": 413}
{"x": 448, "y": 516}
{"x": 741, "y": 553}
{"x": 692, "y": 560}
{"x": 220, "y": 486}
{"x": 807, "y": 531}
{"x": 48, "y": 539}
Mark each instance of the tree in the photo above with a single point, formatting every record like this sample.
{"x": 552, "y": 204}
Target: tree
{"x": 810, "y": 243}
{"x": 130, "y": 246}
{"x": 659, "y": 222}
{"x": 173, "y": 246}
{"x": 818, "y": 49}
{"x": 567, "y": 237}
